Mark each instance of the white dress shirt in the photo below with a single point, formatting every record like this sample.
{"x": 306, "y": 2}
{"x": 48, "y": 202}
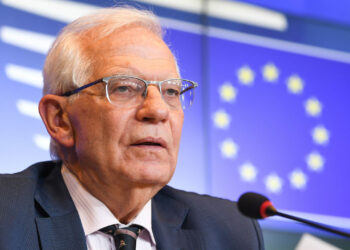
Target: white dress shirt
{"x": 94, "y": 215}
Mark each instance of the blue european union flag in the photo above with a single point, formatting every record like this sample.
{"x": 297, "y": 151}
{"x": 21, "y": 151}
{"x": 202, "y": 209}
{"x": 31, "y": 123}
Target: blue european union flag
{"x": 280, "y": 126}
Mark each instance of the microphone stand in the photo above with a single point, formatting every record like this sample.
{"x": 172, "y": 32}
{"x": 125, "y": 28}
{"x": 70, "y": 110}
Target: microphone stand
{"x": 271, "y": 211}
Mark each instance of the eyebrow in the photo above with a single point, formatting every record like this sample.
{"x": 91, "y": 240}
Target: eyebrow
{"x": 139, "y": 74}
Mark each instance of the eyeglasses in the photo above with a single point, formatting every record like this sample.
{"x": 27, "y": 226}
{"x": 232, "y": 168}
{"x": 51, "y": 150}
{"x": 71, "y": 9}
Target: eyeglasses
{"x": 130, "y": 91}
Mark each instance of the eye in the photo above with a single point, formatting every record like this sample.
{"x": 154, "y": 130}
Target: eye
{"x": 121, "y": 89}
{"x": 124, "y": 87}
{"x": 172, "y": 92}
{"x": 171, "y": 88}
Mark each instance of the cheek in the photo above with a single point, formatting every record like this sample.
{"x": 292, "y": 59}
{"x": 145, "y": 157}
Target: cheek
{"x": 98, "y": 132}
{"x": 88, "y": 137}
{"x": 177, "y": 124}
{"x": 176, "y": 127}
{"x": 112, "y": 134}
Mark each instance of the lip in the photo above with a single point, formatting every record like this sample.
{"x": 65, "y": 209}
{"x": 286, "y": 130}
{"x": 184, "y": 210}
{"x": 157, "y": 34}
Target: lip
{"x": 143, "y": 142}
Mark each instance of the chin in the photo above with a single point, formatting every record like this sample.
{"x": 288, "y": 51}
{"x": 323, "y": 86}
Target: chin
{"x": 156, "y": 174}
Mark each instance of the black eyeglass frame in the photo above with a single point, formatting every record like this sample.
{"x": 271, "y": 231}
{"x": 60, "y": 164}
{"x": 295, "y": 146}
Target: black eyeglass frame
{"x": 147, "y": 83}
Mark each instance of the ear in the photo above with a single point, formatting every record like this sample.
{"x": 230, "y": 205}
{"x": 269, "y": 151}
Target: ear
{"x": 53, "y": 113}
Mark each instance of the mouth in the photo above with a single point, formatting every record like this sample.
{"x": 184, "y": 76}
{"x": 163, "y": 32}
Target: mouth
{"x": 150, "y": 142}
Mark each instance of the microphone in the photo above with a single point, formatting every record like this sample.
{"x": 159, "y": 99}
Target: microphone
{"x": 257, "y": 206}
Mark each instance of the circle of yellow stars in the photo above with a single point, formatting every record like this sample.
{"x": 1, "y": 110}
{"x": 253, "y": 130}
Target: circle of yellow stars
{"x": 312, "y": 106}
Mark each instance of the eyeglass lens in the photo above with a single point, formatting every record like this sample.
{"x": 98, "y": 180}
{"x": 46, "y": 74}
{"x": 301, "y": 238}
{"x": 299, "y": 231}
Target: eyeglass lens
{"x": 129, "y": 91}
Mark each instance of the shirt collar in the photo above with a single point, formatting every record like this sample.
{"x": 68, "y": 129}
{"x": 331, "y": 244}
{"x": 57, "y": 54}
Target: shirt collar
{"x": 95, "y": 215}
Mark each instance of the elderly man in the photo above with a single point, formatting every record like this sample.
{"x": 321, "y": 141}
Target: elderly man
{"x": 113, "y": 105}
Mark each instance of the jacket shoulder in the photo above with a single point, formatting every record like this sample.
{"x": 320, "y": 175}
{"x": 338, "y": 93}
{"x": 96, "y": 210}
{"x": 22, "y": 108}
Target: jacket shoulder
{"x": 218, "y": 219}
{"x": 34, "y": 171}
{"x": 17, "y": 207}
{"x": 17, "y": 190}
{"x": 201, "y": 201}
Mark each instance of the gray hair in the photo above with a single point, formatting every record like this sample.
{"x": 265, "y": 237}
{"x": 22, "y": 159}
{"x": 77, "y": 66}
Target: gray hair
{"x": 68, "y": 65}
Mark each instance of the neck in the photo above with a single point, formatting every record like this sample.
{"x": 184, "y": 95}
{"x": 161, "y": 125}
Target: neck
{"x": 124, "y": 200}
{"x": 125, "y": 206}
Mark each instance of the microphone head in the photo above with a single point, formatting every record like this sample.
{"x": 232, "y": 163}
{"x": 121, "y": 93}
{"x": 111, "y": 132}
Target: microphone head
{"x": 255, "y": 206}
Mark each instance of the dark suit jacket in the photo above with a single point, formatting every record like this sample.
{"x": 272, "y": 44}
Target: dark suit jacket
{"x": 37, "y": 212}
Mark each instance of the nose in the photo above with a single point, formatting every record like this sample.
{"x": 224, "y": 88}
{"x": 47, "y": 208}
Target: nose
{"x": 153, "y": 108}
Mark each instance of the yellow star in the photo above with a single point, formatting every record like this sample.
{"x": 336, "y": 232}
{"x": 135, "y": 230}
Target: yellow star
{"x": 298, "y": 179}
{"x": 295, "y": 84}
{"x": 313, "y": 107}
{"x": 270, "y": 72}
{"x": 248, "y": 172}
{"x": 315, "y": 161}
{"x": 229, "y": 149}
{"x": 245, "y": 76}
{"x": 273, "y": 183}
{"x": 221, "y": 119}
{"x": 320, "y": 135}
{"x": 227, "y": 92}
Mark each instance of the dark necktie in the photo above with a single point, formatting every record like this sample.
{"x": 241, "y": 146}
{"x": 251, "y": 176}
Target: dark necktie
{"x": 124, "y": 238}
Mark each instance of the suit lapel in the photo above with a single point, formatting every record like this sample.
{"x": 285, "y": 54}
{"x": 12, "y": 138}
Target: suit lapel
{"x": 168, "y": 217}
{"x": 56, "y": 233}
{"x": 58, "y": 225}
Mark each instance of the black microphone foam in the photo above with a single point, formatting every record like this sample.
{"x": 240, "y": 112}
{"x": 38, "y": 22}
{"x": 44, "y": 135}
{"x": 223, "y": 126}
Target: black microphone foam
{"x": 254, "y": 205}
